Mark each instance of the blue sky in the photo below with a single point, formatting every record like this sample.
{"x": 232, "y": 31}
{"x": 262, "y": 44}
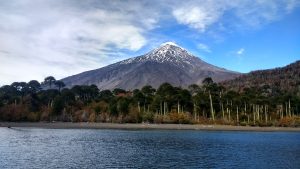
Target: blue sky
{"x": 39, "y": 38}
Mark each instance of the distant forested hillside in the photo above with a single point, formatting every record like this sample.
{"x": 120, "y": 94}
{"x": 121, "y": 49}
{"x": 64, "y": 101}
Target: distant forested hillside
{"x": 271, "y": 82}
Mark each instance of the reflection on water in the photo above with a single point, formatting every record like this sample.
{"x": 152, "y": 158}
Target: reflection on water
{"x": 76, "y": 148}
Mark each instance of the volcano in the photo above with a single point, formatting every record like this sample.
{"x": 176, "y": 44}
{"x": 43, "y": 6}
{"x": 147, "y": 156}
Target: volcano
{"x": 167, "y": 63}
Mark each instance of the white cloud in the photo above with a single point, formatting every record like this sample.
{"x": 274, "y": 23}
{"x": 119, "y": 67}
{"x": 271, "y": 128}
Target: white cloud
{"x": 202, "y": 14}
{"x": 53, "y": 38}
{"x": 196, "y": 17}
{"x": 240, "y": 51}
{"x": 204, "y": 47}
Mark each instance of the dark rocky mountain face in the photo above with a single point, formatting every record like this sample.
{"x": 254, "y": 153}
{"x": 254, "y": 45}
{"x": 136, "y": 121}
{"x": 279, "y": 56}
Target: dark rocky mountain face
{"x": 168, "y": 63}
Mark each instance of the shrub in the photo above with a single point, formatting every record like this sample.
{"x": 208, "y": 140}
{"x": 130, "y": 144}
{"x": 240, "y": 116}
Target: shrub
{"x": 92, "y": 117}
{"x": 158, "y": 118}
{"x": 32, "y": 117}
{"x": 286, "y": 122}
{"x": 148, "y": 117}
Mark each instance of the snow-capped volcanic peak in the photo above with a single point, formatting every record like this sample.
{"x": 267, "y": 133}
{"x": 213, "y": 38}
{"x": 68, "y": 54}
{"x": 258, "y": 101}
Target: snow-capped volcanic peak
{"x": 169, "y": 47}
{"x": 166, "y": 52}
{"x": 169, "y": 52}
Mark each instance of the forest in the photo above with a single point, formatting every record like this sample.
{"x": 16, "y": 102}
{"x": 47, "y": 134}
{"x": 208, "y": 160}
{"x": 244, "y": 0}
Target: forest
{"x": 210, "y": 103}
{"x": 283, "y": 79}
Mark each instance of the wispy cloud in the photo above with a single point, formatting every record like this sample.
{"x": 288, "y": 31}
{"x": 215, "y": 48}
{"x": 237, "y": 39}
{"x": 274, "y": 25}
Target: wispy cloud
{"x": 240, "y": 51}
{"x": 204, "y": 47}
{"x": 196, "y": 16}
{"x": 202, "y": 14}
{"x": 54, "y": 38}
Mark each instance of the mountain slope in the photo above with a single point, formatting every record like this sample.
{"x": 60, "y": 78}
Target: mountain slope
{"x": 168, "y": 63}
{"x": 285, "y": 79}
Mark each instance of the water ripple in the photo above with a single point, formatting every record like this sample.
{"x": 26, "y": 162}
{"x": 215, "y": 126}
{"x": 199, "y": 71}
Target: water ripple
{"x": 75, "y": 148}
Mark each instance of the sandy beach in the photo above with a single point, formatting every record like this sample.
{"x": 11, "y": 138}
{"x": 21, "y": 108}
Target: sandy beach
{"x": 144, "y": 126}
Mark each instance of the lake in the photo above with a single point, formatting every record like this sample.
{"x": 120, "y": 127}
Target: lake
{"x": 91, "y": 148}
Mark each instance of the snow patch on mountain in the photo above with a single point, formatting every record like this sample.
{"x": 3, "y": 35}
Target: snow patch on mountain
{"x": 170, "y": 43}
{"x": 168, "y": 52}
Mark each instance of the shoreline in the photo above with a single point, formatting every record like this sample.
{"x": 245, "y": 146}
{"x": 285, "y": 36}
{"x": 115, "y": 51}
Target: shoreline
{"x": 145, "y": 126}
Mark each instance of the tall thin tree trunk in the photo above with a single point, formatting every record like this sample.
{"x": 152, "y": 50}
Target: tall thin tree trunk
{"x": 161, "y": 109}
{"x": 221, "y": 105}
{"x": 286, "y": 109}
{"x": 195, "y": 111}
{"x": 227, "y": 111}
{"x": 167, "y": 109}
{"x": 290, "y": 113}
{"x": 223, "y": 113}
{"x": 257, "y": 109}
{"x": 266, "y": 117}
{"x": 230, "y": 110}
{"x": 254, "y": 112}
{"x": 164, "y": 108}
{"x": 211, "y": 107}
{"x": 281, "y": 110}
{"x": 178, "y": 107}
{"x": 248, "y": 119}
{"x": 237, "y": 114}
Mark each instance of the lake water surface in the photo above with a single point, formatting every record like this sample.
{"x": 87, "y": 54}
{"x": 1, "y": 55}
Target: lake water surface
{"x": 90, "y": 148}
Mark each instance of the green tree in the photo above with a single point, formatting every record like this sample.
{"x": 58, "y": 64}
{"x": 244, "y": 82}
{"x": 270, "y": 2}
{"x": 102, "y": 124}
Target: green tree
{"x": 106, "y": 95}
{"x": 50, "y": 80}
{"x": 58, "y": 105}
{"x": 139, "y": 98}
{"x": 194, "y": 89}
{"x": 59, "y": 84}
{"x": 20, "y": 89}
{"x": 113, "y": 107}
{"x": 123, "y": 105}
{"x": 166, "y": 92}
{"x": 209, "y": 86}
{"x": 34, "y": 86}
{"x": 118, "y": 91}
{"x": 148, "y": 92}
{"x": 207, "y": 81}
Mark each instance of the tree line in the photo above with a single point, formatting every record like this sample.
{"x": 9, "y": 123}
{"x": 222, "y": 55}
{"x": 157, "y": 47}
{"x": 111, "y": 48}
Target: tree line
{"x": 210, "y": 103}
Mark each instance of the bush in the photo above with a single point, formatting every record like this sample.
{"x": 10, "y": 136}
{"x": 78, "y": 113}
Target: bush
{"x": 286, "y": 122}
{"x": 134, "y": 116}
{"x": 158, "y": 118}
{"x": 33, "y": 117}
{"x": 243, "y": 123}
{"x": 181, "y": 118}
{"x": 92, "y": 117}
{"x": 148, "y": 117}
